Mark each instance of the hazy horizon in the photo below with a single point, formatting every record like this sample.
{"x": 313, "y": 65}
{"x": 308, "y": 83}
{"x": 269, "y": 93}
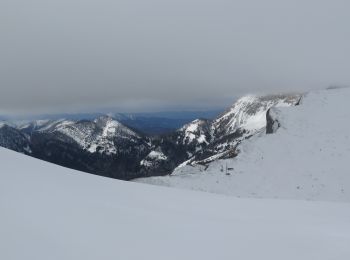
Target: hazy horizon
{"x": 132, "y": 55}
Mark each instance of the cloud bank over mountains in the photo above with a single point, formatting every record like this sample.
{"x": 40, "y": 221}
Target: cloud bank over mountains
{"x": 135, "y": 55}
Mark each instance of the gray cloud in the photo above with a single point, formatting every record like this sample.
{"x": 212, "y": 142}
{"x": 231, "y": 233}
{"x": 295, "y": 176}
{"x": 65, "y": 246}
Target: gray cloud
{"x": 135, "y": 54}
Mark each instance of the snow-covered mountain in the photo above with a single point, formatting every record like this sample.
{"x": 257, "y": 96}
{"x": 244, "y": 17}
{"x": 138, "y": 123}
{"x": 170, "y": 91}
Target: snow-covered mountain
{"x": 245, "y": 118}
{"x": 304, "y": 157}
{"x": 203, "y": 141}
{"x": 219, "y": 138}
{"x": 101, "y": 135}
{"x": 105, "y": 146}
{"x": 51, "y": 212}
{"x": 249, "y": 113}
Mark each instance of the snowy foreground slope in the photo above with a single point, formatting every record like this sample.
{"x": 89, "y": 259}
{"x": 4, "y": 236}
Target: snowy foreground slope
{"x": 50, "y": 212}
{"x": 307, "y": 158}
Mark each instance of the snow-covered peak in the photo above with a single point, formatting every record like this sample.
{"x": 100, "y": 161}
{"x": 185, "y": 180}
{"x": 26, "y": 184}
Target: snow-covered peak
{"x": 249, "y": 113}
{"x": 111, "y": 128}
{"x": 109, "y": 131}
{"x": 197, "y": 130}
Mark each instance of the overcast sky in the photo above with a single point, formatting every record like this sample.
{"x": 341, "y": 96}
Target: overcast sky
{"x": 67, "y": 55}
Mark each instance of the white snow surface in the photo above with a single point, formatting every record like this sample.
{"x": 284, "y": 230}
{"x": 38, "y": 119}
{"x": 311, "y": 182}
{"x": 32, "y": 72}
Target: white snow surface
{"x": 51, "y": 212}
{"x": 307, "y": 158}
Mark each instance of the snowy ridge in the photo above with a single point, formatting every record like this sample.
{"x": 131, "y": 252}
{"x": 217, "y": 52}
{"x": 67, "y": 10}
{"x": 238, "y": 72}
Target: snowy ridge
{"x": 50, "y": 126}
{"x": 306, "y": 157}
{"x": 111, "y": 127}
{"x": 81, "y": 134}
{"x": 249, "y": 113}
{"x": 93, "y": 136}
{"x": 36, "y": 124}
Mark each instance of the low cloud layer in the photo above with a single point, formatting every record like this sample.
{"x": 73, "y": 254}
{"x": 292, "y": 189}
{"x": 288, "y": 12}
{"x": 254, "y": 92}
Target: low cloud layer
{"x": 135, "y": 55}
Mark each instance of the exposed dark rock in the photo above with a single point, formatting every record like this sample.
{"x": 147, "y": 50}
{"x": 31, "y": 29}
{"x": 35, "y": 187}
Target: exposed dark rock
{"x": 272, "y": 123}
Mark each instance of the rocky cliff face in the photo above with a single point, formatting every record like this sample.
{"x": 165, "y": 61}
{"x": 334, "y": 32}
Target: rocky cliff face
{"x": 272, "y": 122}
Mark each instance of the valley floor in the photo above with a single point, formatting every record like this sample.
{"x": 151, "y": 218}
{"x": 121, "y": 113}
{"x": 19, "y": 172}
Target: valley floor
{"x": 50, "y": 212}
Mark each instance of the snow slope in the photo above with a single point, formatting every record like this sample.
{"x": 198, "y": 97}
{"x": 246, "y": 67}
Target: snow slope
{"x": 307, "y": 158}
{"x": 50, "y": 212}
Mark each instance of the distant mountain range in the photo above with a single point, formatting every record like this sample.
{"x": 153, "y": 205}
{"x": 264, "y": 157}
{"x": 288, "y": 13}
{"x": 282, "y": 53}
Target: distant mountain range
{"x": 149, "y": 123}
{"x": 129, "y": 146}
